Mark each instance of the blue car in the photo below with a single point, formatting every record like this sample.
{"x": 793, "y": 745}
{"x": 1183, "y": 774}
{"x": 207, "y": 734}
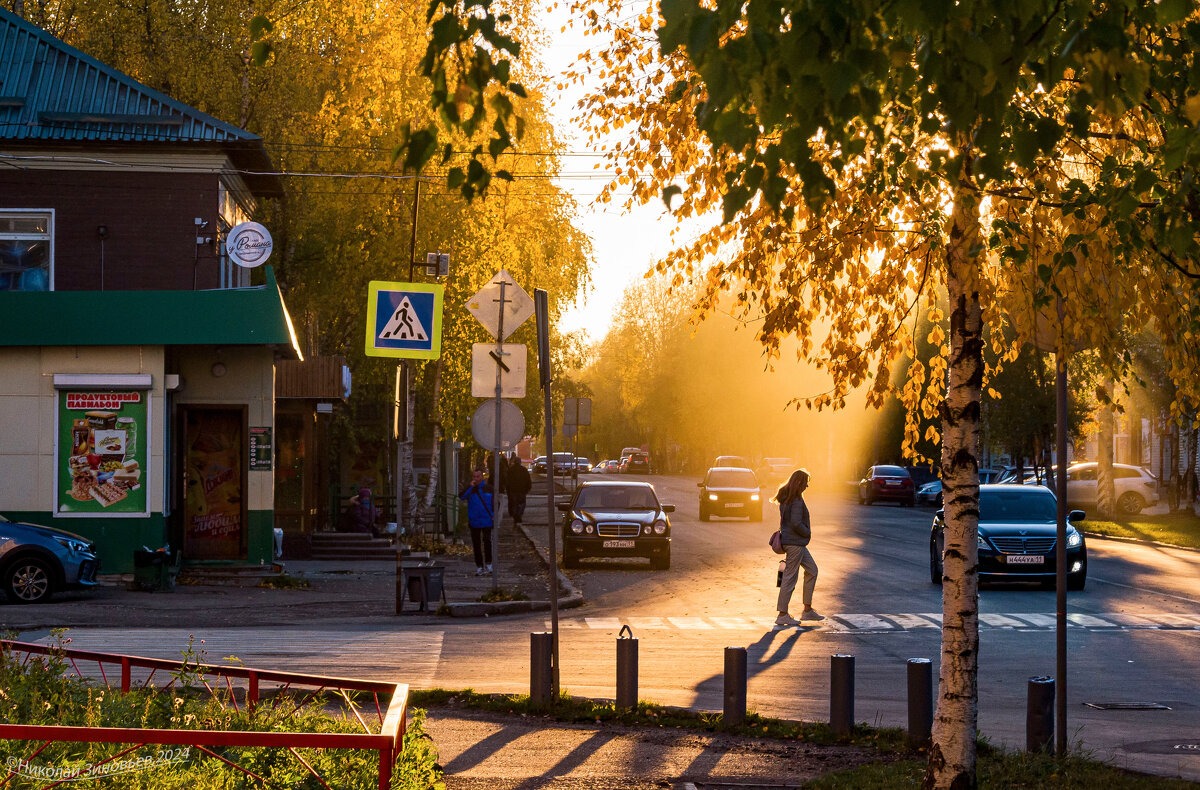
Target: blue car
{"x": 36, "y": 561}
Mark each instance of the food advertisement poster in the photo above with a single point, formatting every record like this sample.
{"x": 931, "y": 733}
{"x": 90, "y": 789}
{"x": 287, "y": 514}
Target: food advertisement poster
{"x": 214, "y": 511}
{"x": 102, "y": 453}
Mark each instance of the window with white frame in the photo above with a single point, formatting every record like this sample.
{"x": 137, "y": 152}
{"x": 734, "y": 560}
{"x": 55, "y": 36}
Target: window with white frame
{"x": 26, "y": 250}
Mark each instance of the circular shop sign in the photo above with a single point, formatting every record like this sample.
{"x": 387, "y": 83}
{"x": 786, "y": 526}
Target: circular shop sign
{"x": 248, "y": 245}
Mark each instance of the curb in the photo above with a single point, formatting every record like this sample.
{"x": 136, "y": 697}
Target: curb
{"x": 1140, "y": 541}
{"x": 478, "y": 609}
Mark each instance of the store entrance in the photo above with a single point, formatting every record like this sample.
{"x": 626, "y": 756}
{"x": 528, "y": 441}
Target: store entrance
{"x": 214, "y": 510}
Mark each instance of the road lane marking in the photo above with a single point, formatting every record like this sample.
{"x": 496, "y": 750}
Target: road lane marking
{"x": 1137, "y": 621}
{"x": 647, "y": 622}
{"x": 1000, "y": 621}
{"x": 690, "y": 623}
{"x": 1089, "y": 621}
{"x": 913, "y": 620}
{"x": 867, "y": 622}
{"x": 1037, "y": 620}
{"x": 604, "y": 623}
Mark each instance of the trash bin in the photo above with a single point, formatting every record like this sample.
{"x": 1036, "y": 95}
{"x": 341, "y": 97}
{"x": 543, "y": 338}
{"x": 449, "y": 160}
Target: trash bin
{"x": 154, "y": 571}
{"x": 423, "y": 583}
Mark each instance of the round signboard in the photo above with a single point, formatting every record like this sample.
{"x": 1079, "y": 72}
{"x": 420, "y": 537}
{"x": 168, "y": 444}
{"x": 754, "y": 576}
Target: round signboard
{"x": 483, "y": 425}
{"x": 248, "y": 244}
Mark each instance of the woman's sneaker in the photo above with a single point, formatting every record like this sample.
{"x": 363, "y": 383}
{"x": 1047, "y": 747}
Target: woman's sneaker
{"x": 480, "y": 571}
{"x": 811, "y": 616}
{"x": 786, "y": 619}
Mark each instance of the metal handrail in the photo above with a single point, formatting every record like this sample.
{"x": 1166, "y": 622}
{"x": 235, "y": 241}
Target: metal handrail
{"x": 388, "y": 741}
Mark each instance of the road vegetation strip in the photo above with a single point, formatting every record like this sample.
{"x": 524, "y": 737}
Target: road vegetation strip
{"x": 1175, "y": 529}
{"x": 41, "y": 692}
{"x": 997, "y": 768}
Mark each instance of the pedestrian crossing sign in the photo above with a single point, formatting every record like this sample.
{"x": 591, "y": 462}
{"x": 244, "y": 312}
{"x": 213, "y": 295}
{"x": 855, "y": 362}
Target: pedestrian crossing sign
{"x": 404, "y": 320}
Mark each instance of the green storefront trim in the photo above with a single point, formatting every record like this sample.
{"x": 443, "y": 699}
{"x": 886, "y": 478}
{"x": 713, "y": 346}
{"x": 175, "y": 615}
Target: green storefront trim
{"x": 117, "y": 539}
{"x": 228, "y": 316}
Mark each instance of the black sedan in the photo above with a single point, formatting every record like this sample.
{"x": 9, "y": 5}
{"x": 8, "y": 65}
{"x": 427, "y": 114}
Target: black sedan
{"x": 726, "y": 491}
{"x": 1017, "y": 537}
{"x": 610, "y": 519}
{"x": 37, "y": 561}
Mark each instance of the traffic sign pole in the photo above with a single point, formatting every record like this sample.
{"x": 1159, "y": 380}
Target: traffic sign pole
{"x": 496, "y": 452}
{"x": 542, "y": 309}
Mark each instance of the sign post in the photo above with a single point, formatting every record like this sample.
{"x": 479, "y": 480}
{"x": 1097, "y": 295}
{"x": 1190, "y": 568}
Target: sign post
{"x": 542, "y": 308}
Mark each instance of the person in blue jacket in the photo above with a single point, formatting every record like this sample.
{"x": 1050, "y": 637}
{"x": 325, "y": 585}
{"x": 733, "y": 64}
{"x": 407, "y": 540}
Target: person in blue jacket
{"x": 795, "y": 530}
{"x": 478, "y": 496}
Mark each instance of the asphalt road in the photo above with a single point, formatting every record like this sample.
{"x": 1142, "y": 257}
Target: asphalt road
{"x": 1135, "y": 633}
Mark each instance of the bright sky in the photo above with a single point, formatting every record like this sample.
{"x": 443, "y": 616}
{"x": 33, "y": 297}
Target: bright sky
{"x": 625, "y": 245}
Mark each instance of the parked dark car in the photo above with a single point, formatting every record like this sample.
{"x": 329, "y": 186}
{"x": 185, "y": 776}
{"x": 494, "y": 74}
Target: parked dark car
{"x": 37, "y": 561}
{"x": 539, "y": 465}
{"x": 638, "y": 463}
{"x": 1017, "y": 535}
{"x": 730, "y": 491}
{"x": 615, "y": 519}
{"x": 887, "y": 484}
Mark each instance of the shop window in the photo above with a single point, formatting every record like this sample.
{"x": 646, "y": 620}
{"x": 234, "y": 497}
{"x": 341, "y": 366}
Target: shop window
{"x": 26, "y": 250}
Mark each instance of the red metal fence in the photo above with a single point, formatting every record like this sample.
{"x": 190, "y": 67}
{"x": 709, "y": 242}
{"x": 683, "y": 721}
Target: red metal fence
{"x": 388, "y": 741}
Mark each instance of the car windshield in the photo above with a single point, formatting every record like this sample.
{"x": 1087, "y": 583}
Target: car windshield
{"x": 890, "y": 471}
{"x": 1032, "y": 505}
{"x": 616, "y": 498}
{"x": 732, "y": 478}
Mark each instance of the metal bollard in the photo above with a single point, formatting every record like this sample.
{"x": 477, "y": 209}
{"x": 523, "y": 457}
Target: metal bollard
{"x": 735, "y": 687}
{"x": 841, "y": 693}
{"x": 541, "y": 672}
{"x": 627, "y": 669}
{"x": 1039, "y": 714}
{"x": 920, "y": 701}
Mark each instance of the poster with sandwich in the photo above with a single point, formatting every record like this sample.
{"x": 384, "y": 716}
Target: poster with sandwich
{"x": 102, "y": 453}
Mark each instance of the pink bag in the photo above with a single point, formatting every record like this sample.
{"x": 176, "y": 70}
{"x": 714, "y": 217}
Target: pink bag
{"x": 776, "y": 543}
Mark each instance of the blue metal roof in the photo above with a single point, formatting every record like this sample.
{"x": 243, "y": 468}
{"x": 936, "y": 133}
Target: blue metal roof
{"x": 52, "y": 91}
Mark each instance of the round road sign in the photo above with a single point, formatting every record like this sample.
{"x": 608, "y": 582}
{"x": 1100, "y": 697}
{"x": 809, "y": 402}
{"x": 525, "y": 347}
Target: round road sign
{"x": 512, "y": 425}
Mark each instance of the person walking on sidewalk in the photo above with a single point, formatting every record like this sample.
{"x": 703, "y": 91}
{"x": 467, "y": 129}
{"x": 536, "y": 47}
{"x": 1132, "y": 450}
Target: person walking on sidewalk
{"x": 478, "y": 496}
{"x": 795, "y": 530}
{"x": 519, "y": 484}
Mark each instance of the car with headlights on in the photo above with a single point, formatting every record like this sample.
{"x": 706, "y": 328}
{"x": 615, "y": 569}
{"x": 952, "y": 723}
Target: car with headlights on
{"x": 616, "y": 519}
{"x": 730, "y": 491}
{"x": 1018, "y": 533}
{"x": 37, "y": 561}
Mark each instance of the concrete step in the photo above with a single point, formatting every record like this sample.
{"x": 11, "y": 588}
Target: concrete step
{"x": 319, "y": 538}
{"x": 380, "y": 553}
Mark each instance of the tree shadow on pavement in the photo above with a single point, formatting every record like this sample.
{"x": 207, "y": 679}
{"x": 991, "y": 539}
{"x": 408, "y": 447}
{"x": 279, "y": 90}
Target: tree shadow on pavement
{"x": 759, "y": 658}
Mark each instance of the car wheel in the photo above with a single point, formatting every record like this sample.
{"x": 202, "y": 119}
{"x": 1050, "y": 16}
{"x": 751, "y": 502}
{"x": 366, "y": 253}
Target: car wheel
{"x": 912, "y": 500}
{"x": 704, "y": 513}
{"x": 861, "y": 500}
{"x": 1130, "y": 503}
{"x": 935, "y": 565}
{"x": 29, "y": 580}
{"x": 661, "y": 563}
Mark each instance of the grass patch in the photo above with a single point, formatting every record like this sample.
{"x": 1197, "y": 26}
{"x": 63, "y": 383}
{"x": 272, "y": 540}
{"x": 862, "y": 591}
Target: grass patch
{"x": 648, "y": 714}
{"x": 1176, "y": 529}
{"x": 494, "y": 596}
{"x": 38, "y": 692}
{"x": 997, "y": 769}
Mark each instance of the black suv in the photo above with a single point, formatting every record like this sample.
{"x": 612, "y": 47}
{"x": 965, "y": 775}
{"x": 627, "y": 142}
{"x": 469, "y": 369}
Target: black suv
{"x": 730, "y": 491}
{"x": 638, "y": 463}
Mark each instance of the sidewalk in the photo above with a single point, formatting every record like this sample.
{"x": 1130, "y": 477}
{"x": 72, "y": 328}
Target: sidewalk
{"x": 338, "y": 590}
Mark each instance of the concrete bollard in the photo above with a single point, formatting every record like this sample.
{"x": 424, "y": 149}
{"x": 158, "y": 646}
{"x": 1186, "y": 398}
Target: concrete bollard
{"x": 735, "y": 687}
{"x": 541, "y": 670}
{"x": 627, "y": 669}
{"x": 841, "y": 693}
{"x": 1039, "y": 714}
{"x": 920, "y": 701}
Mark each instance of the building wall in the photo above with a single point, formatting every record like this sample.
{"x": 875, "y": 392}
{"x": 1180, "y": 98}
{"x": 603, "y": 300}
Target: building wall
{"x": 150, "y": 219}
{"x": 29, "y": 403}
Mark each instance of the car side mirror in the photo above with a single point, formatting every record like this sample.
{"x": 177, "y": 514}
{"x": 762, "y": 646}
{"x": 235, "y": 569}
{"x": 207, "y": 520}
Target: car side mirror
{"x": 564, "y": 506}
{"x": 1076, "y": 515}
{"x": 668, "y": 508}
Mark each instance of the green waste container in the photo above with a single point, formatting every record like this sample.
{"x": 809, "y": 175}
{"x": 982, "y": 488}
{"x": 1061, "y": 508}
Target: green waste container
{"x": 154, "y": 571}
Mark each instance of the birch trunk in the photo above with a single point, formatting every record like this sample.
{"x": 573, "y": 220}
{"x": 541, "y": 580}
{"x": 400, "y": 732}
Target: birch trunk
{"x": 952, "y": 751}
{"x": 1106, "y": 490}
{"x": 435, "y": 461}
{"x": 406, "y": 471}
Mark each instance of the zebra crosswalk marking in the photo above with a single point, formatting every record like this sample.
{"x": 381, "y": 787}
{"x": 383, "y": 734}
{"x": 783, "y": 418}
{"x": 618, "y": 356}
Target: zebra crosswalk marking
{"x": 894, "y": 623}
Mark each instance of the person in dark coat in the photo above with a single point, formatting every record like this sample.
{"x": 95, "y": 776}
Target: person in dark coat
{"x": 363, "y": 515}
{"x": 518, "y": 485}
{"x": 478, "y": 496}
{"x": 795, "y": 530}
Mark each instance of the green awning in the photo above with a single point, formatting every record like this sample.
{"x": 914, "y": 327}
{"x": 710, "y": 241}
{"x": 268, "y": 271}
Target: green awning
{"x": 255, "y": 316}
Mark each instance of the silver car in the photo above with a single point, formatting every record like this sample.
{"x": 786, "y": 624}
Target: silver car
{"x": 36, "y": 561}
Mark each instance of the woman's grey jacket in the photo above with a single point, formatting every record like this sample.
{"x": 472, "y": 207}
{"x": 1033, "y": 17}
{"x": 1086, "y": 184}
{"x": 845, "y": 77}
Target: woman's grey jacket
{"x": 794, "y": 526}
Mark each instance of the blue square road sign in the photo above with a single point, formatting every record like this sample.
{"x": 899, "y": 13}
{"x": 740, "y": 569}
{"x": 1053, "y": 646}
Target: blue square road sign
{"x": 404, "y": 320}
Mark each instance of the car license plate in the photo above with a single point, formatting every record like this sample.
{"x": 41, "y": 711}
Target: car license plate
{"x": 1025, "y": 559}
{"x": 619, "y": 544}
{"x": 734, "y": 504}
{"x": 891, "y": 482}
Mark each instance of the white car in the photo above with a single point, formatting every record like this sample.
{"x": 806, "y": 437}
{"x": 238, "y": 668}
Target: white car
{"x": 1136, "y": 489}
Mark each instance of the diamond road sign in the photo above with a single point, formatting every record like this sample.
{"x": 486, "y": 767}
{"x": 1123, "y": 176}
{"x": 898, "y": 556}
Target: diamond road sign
{"x": 404, "y": 320}
{"x": 486, "y": 307}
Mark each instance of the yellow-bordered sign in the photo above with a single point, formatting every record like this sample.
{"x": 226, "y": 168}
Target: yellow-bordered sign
{"x": 404, "y": 320}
